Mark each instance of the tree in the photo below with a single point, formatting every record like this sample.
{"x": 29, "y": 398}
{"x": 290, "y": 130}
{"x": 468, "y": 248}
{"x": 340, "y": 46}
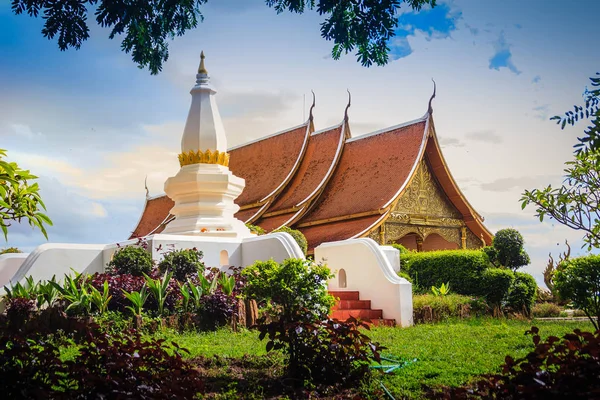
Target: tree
{"x": 507, "y": 249}
{"x": 18, "y": 198}
{"x": 578, "y": 280}
{"x": 591, "y": 140}
{"x": 575, "y": 203}
{"x": 146, "y": 25}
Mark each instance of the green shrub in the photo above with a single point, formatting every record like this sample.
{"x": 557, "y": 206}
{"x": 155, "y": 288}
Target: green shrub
{"x": 508, "y": 249}
{"x": 297, "y": 292}
{"x": 579, "y": 313}
{"x": 495, "y": 284}
{"x": 131, "y": 260}
{"x": 400, "y": 248}
{"x": 522, "y": 293}
{"x": 298, "y": 237}
{"x": 183, "y": 263}
{"x": 256, "y": 229}
{"x": 462, "y": 269}
{"x": 442, "y": 307}
{"x": 404, "y": 275}
{"x": 578, "y": 280}
{"x": 10, "y": 250}
{"x": 544, "y": 310}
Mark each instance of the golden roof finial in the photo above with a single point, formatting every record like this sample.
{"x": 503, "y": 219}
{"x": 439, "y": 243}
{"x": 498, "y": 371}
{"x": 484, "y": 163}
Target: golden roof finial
{"x": 202, "y": 68}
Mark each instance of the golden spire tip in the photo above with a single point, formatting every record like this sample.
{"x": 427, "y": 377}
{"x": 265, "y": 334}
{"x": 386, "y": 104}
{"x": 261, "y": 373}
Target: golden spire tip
{"x": 202, "y": 68}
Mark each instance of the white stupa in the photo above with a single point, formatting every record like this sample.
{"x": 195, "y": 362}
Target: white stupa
{"x": 204, "y": 189}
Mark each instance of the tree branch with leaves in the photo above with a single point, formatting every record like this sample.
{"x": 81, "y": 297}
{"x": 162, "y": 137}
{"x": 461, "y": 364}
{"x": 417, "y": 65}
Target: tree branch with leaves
{"x": 575, "y": 203}
{"x": 364, "y": 26}
{"x": 19, "y": 198}
{"x": 590, "y": 110}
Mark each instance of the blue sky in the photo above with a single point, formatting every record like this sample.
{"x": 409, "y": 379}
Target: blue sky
{"x": 93, "y": 126}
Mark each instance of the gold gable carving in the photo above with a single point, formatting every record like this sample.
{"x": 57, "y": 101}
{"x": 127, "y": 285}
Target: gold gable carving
{"x": 424, "y": 200}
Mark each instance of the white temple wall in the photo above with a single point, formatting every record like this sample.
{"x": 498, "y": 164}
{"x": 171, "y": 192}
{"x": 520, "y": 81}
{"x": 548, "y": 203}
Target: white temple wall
{"x": 9, "y": 265}
{"x": 57, "y": 259}
{"x": 369, "y": 271}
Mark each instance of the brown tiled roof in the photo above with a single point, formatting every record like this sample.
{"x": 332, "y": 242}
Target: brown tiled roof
{"x": 275, "y": 221}
{"x": 370, "y": 173}
{"x": 247, "y": 214}
{"x": 341, "y": 230}
{"x": 346, "y": 201}
{"x": 268, "y": 164}
{"x": 322, "y": 154}
{"x": 155, "y": 212}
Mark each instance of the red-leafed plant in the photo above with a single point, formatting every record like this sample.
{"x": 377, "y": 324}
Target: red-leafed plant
{"x": 119, "y": 365}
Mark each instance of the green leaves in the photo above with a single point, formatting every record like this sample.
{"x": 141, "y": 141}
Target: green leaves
{"x": 578, "y": 280}
{"x": 137, "y": 299}
{"x": 443, "y": 290}
{"x": 159, "y": 289}
{"x": 227, "y": 283}
{"x": 591, "y": 140}
{"x": 19, "y": 199}
{"x": 363, "y": 26}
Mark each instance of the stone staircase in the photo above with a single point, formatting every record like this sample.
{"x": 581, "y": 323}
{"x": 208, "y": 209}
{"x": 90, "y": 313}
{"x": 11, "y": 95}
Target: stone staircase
{"x": 348, "y": 305}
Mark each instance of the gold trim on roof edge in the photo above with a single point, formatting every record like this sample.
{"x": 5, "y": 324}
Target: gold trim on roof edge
{"x": 204, "y": 157}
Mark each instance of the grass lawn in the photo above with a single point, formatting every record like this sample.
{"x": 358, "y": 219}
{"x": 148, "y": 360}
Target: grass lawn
{"x": 454, "y": 352}
{"x": 448, "y": 353}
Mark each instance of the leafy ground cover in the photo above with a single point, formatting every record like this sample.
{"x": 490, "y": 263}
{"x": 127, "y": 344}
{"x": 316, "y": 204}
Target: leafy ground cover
{"x": 451, "y": 353}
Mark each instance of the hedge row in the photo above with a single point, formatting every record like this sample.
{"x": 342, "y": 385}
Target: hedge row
{"x": 463, "y": 269}
{"x": 470, "y": 273}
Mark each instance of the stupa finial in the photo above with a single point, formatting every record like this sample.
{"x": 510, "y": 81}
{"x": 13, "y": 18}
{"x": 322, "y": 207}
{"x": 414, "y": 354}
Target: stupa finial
{"x": 202, "y": 68}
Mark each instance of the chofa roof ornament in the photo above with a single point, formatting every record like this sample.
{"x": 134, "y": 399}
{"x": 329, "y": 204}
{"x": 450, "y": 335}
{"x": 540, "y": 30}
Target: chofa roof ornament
{"x": 348, "y": 106}
{"x": 430, "y": 107}
{"x": 310, "y": 113}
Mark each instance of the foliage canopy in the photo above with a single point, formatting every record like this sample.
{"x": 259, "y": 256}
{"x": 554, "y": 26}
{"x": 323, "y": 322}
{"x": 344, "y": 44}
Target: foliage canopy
{"x": 575, "y": 203}
{"x": 578, "y": 280}
{"x": 591, "y": 111}
{"x": 508, "y": 249}
{"x": 364, "y": 26}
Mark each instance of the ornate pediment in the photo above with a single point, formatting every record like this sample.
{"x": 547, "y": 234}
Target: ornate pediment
{"x": 425, "y": 203}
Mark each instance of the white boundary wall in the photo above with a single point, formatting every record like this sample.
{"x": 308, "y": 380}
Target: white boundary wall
{"x": 369, "y": 271}
{"x": 58, "y": 259}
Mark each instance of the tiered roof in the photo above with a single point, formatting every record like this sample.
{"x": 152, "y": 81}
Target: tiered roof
{"x": 328, "y": 185}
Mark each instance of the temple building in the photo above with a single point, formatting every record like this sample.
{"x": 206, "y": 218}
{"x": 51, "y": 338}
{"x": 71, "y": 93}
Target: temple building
{"x": 392, "y": 185}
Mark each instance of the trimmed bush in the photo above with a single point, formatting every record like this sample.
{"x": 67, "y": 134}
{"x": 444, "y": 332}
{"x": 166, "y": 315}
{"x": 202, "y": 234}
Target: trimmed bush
{"x": 131, "y": 260}
{"x": 522, "y": 293}
{"x": 297, "y": 235}
{"x": 545, "y": 310}
{"x": 183, "y": 263}
{"x": 508, "y": 249}
{"x": 461, "y": 268}
{"x": 578, "y": 280}
{"x": 495, "y": 284}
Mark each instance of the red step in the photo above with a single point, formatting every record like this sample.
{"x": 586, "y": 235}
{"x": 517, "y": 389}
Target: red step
{"x": 345, "y": 295}
{"x": 352, "y": 304}
{"x": 348, "y": 304}
{"x": 343, "y": 315}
